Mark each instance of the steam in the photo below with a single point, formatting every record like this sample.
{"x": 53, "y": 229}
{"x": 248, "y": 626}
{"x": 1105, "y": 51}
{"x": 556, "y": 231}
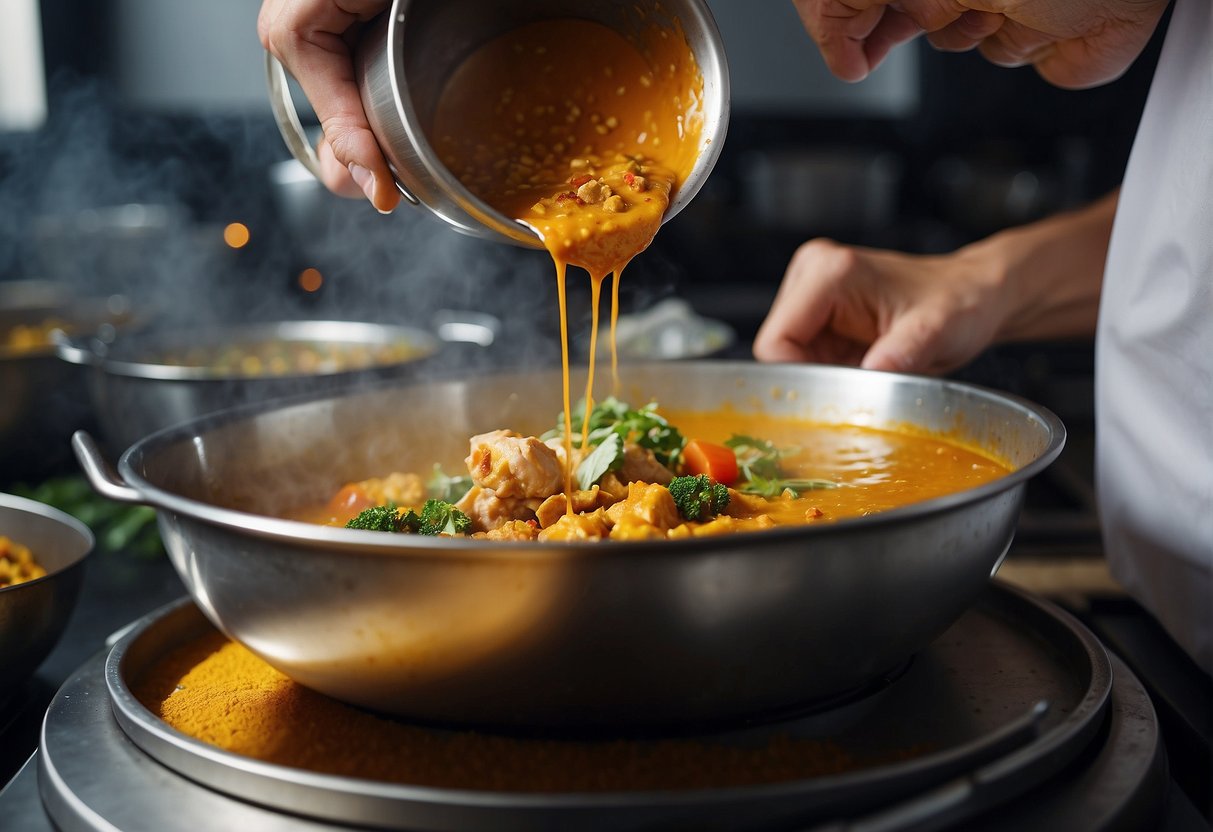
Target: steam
{"x": 106, "y": 200}
{"x": 111, "y": 201}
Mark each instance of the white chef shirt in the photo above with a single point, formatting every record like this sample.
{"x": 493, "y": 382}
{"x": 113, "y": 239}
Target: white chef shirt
{"x": 1154, "y": 348}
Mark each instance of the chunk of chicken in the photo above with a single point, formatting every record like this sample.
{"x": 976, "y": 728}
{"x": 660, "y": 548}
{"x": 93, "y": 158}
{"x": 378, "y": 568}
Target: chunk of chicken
{"x": 592, "y": 526}
{"x": 510, "y": 465}
{"x": 555, "y": 507}
{"x": 640, "y": 464}
{"x": 488, "y": 511}
{"x": 647, "y": 504}
{"x": 511, "y": 530}
{"x": 556, "y": 443}
{"x": 611, "y": 484}
{"x": 723, "y": 524}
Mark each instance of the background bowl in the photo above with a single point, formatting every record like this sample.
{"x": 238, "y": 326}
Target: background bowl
{"x": 573, "y": 633}
{"x": 44, "y": 400}
{"x": 147, "y": 380}
{"x": 34, "y": 614}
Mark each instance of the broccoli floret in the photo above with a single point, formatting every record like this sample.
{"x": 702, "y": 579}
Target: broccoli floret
{"x": 698, "y": 498}
{"x": 378, "y": 519}
{"x": 440, "y": 517}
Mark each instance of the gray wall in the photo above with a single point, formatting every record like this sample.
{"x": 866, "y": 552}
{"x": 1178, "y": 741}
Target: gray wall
{"x": 184, "y": 55}
{"x": 776, "y": 69}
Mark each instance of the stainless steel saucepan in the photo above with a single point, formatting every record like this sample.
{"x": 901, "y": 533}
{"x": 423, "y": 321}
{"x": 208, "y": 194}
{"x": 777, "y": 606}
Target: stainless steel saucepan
{"x": 572, "y": 634}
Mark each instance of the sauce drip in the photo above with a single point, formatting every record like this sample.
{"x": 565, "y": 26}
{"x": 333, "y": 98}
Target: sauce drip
{"x": 582, "y": 135}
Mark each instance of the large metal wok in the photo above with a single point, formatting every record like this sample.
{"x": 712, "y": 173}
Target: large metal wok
{"x": 572, "y": 634}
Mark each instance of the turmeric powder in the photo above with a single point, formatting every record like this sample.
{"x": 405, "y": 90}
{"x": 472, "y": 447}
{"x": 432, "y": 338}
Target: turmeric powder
{"x": 218, "y": 692}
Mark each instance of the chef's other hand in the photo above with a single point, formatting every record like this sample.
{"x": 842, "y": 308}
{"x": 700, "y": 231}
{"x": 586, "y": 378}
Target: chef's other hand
{"x": 1072, "y": 43}
{"x": 312, "y": 38}
{"x": 884, "y": 310}
{"x": 880, "y": 310}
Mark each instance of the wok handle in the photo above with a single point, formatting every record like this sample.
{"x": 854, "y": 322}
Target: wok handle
{"x": 291, "y": 127}
{"x": 101, "y": 475}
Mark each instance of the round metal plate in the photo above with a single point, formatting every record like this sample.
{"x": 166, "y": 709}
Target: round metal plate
{"x": 975, "y": 690}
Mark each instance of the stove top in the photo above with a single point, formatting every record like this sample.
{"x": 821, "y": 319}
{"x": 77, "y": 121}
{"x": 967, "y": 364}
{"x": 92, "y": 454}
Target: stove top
{"x": 1030, "y": 723}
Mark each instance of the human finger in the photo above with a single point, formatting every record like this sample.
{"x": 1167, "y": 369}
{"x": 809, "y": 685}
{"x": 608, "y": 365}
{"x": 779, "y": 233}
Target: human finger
{"x": 797, "y": 326}
{"x": 841, "y": 28}
{"x": 966, "y": 32}
{"x": 308, "y": 37}
{"x": 336, "y": 176}
{"x": 910, "y": 344}
{"x": 893, "y": 29}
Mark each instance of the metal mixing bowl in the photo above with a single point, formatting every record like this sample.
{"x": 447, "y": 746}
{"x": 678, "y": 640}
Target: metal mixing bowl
{"x": 34, "y": 614}
{"x": 578, "y": 634}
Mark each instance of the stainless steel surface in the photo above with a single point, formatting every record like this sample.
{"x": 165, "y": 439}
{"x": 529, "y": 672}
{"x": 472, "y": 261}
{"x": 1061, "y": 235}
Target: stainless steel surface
{"x": 1005, "y": 654}
{"x": 34, "y": 614}
{"x": 135, "y": 393}
{"x": 575, "y": 633}
{"x": 405, "y": 56}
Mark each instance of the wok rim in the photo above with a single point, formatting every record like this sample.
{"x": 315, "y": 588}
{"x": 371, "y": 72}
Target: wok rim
{"x": 315, "y": 536}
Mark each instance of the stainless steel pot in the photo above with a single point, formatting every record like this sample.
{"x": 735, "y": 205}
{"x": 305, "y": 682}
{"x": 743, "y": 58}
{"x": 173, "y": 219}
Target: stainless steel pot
{"x": 136, "y": 391}
{"x": 572, "y": 634}
{"x": 405, "y": 56}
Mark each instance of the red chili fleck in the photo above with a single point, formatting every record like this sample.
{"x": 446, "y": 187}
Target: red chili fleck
{"x": 534, "y": 524}
{"x": 648, "y": 199}
{"x": 578, "y": 181}
{"x": 629, "y": 178}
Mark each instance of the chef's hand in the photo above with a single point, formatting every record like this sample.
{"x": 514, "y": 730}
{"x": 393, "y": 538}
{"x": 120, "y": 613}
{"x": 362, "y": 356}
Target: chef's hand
{"x": 881, "y": 310}
{"x": 1072, "y": 43}
{"x": 312, "y": 38}
{"x": 884, "y": 310}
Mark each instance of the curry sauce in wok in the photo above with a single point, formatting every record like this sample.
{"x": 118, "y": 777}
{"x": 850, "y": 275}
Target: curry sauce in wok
{"x": 643, "y": 474}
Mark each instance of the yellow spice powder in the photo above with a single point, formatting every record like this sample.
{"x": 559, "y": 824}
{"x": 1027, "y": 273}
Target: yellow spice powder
{"x": 218, "y": 692}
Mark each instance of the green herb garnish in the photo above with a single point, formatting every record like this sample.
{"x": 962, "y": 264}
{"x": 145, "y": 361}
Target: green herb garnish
{"x": 450, "y": 489}
{"x": 608, "y": 456}
{"x": 758, "y": 467}
{"x": 644, "y": 427}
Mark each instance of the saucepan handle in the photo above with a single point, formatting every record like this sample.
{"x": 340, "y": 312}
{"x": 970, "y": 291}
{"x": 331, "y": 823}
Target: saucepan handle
{"x": 292, "y": 128}
{"x": 103, "y": 478}
{"x": 288, "y": 117}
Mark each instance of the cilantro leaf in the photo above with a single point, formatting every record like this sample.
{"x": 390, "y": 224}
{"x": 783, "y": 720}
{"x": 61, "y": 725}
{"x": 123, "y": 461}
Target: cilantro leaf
{"x": 644, "y": 427}
{"x": 758, "y": 463}
{"x": 450, "y": 489}
{"x": 608, "y": 456}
